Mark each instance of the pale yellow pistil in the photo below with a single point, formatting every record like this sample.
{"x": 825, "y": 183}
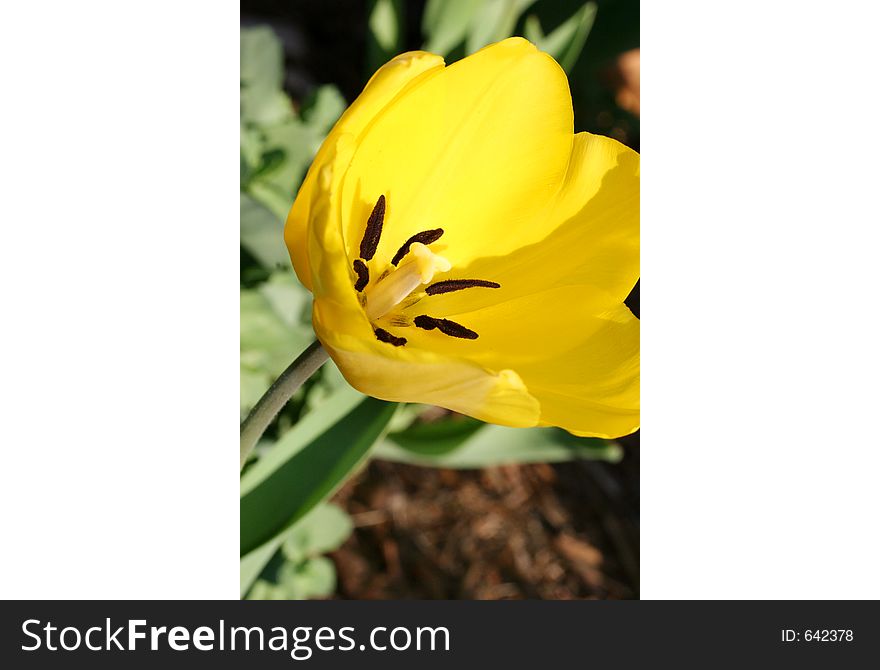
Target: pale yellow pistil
{"x": 419, "y": 267}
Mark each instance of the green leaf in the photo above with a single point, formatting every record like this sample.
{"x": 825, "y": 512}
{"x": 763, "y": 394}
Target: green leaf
{"x": 326, "y": 385}
{"x": 276, "y": 199}
{"x": 262, "y": 73}
{"x": 463, "y": 446}
{"x": 438, "y": 437}
{"x": 567, "y": 41}
{"x": 307, "y": 464}
{"x": 289, "y": 299}
{"x": 322, "y": 530}
{"x": 264, "y": 590}
{"x": 252, "y": 385}
{"x": 385, "y": 32}
{"x": 406, "y": 416}
{"x": 445, "y": 23}
{"x": 384, "y": 24}
{"x": 276, "y": 145}
{"x": 269, "y": 338}
{"x": 323, "y": 110}
{"x": 262, "y": 233}
{"x": 313, "y": 578}
{"x": 252, "y": 564}
{"x": 495, "y": 20}
{"x": 288, "y": 149}
{"x": 251, "y": 151}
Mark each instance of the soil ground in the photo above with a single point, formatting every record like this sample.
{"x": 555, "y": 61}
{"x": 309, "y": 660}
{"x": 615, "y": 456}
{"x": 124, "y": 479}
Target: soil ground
{"x": 538, "y": 531}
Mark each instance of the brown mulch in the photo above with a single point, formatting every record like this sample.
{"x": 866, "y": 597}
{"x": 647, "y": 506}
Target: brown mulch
{"x": 531, "y": 531}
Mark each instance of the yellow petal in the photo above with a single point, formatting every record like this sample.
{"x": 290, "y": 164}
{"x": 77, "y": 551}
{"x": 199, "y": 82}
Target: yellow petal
{"x": 388, "y": 82}
{"x": 478, "y": 149}
{"x": 484, "y": 150}
{"x": 592, "y": 391}
{"x": 405, "y": 374}
{"x": 596, "y": 241}
{"x": 516, "y": 330}
{"x": 578, "y": 358}
{"x": 590, "y": 236}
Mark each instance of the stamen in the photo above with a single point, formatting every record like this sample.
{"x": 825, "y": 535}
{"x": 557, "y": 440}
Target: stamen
{"x": 425, "y": 322}
{"x": 363, "y": 274}
{"x": 445, "y": 326}
{"x": 384, "y": 336}
{"x": 425, "y": 237}
{"x": 450, "y": 285}
{"x": 374, "y": 230}
{"x": 399, "y": 321}
{"x": 419, "y": 268}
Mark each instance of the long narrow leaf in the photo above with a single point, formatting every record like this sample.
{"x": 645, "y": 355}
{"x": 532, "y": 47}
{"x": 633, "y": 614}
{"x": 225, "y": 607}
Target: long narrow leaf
{"x": 308, "y": 464}
{"x": 445, "y": 23}
{"x": 385, "y": 35}
{"x": 567, "y": 41}
{"x": 322, "y": 530}
{"x": 463, "y": 447}
{"x": 252, "y": 564}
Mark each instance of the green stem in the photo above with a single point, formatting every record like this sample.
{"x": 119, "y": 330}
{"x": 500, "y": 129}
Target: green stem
{"x": 265, "y": 411}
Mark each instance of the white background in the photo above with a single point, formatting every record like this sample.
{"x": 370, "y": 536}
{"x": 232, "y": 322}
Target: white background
{"x": 119, "y": 275}
{"x": 760, "y": 458}
{"x": 120, "y": 304}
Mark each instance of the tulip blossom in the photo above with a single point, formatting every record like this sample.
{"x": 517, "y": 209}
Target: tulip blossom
{"x": 465, "y": 248}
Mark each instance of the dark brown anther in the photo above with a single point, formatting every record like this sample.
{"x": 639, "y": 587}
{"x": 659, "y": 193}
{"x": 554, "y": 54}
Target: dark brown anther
{"x": 363, "y": 274}
{"x": 450, "y": 285}
{"x": 373, "y": 232}
{"x": 445, "y": 326}
{"x": 425, "y": 322}
{"x": 384, "y": 336}
{"x": 425, "y": 237}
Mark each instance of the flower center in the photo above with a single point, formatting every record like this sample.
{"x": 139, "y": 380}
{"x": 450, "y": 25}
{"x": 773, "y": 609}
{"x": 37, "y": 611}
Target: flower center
{"x": 413, "y": 265}
{"x": 419, "y": 268}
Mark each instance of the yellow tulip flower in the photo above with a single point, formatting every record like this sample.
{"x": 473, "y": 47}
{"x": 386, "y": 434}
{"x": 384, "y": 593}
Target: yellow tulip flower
{"x": 466, "y": 249}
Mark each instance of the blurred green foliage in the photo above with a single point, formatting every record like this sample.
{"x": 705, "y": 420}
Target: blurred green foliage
{"x": 328, "y": 430}
{"x": 277, "y": 144}
{"x": 565, "y": 42}
{"x": 299, "y": 570}
{"x": 468, "y": 443}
